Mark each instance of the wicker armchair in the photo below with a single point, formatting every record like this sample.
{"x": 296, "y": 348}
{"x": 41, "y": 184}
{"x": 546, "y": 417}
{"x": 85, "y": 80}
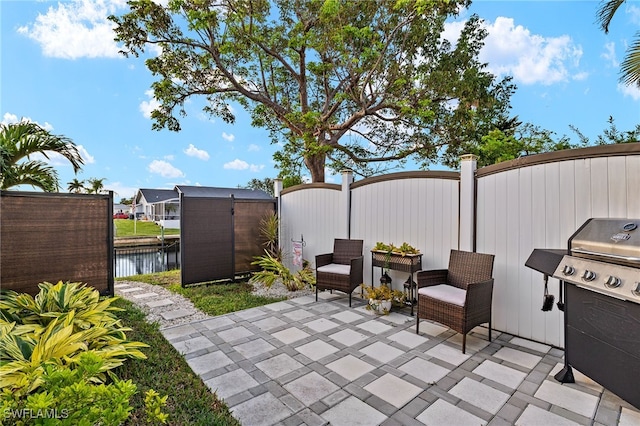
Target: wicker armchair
{"x": 342, "y": 269}
{"x": 460, "y": 296}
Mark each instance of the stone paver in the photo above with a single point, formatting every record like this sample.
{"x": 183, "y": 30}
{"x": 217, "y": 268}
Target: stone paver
{"x": 290, "y": 335}
{"x": 207, "y": 362}
{"x": 442, "y": 412}
{"x": 144, "y": 295}
{"x": 130, "y": 289}
{"x": 322, "y": 363}
{"x": 310, "y": 388}
{"x": 393, "y": 390}
{"x": 353, "y": 412}
{"x": 175, "y": 314}
{"x": 278, "y": 366}
{"x": 424, "y": 370}
{"x": 159, "y": 303}
{"x": 478, "y": 394}
{"x": 263, "y": 410}
{"x": 535, "y": 416}
{"x": 500, "y": 373}
{"x": 350, "y": 367}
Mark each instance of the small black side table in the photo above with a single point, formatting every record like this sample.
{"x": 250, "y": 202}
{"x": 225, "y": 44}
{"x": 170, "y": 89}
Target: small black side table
{"x": 410, "y": 263}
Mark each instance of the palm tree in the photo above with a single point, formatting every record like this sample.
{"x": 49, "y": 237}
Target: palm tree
{"x": 630, "y": 67}
{"x": 18, "y": 142}
{"x": 76, "y": 186}
{"x": 95, "y": 185}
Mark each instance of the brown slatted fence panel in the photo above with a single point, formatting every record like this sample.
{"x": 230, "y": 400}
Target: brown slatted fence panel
{"x": 55, "y": 237}
{"x": 206, "y": 239}
{"x": 248, "y": 241}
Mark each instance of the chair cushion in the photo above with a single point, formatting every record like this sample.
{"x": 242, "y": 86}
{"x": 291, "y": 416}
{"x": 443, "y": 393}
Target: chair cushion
{"x": 445, "y": 293}
{"x": 335, "y": 268}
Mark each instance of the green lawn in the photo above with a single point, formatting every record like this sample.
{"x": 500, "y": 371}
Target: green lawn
{"x": 213, "y": 299}
{"x": 190, "y": 402}
{"x": 125, "y": 228}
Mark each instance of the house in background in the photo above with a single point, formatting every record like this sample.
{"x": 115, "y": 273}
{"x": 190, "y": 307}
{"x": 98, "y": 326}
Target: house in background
{"x": 121, "y": 208}
{"x": 161, "y": 206}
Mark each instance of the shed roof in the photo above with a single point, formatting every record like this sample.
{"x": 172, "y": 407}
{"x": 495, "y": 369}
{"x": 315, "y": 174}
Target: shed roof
{"x": 156, "y": 195}
{"x": 212, "y": 192}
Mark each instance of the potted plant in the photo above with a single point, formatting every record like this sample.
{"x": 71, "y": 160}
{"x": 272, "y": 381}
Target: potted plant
{"x": 381, "y": 298}
{"x": 403, "y": 258}
{"x": 403, "y": 250}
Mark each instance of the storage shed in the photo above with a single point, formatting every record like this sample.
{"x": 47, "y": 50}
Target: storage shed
{"x": 220, "y": 231}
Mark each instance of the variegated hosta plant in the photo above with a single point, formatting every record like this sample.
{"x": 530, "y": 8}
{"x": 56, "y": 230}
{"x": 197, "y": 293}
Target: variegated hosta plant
{"x": 56, "y": 327}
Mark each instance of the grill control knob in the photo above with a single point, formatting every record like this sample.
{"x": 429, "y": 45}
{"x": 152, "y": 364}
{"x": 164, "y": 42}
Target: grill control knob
{"x": 568, "y": 270}
{"x": 612, "y": 282}
{"x": 588, "y": 275}
{"x": 636, "y": 291}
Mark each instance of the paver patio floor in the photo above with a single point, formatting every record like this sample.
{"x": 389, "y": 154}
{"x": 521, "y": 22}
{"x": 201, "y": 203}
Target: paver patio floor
{"x": 317, "y": 363}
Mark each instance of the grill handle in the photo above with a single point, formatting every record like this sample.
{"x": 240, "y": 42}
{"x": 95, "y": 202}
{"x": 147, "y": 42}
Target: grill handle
{"x": 614, "y": 256}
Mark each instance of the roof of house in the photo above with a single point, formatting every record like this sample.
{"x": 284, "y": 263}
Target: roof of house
{"x": 156, "y": 195}
{"x": 212, "y": 192}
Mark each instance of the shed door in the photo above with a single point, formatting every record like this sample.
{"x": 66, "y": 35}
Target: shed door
{"x": 249, "y": 242}
{"x": 206, "y": 239}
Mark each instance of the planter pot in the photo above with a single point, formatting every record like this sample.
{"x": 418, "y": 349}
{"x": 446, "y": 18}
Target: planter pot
{"x": 396, "y": 261}
{"x": 380, "y": 307}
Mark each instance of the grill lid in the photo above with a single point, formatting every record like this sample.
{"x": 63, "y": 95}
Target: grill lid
{"x": 608, "y": 240}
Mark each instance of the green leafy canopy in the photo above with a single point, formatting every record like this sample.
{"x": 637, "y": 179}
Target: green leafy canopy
{"x": 338, "y": 83}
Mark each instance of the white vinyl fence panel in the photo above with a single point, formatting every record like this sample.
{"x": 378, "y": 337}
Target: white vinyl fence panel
{"x": 421, "y": 211}
{"x": 541, "y": 206}
{"x": 535, "y": 202}
{"x": 312, "y": 213}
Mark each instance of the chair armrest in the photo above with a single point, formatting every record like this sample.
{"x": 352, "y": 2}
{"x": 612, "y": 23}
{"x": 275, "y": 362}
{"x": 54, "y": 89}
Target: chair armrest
{"x": 432, "y": 277}
{"x": 479, "y": 293}
{"x": 323, "y": 259}
{"x": 356, "y": 270}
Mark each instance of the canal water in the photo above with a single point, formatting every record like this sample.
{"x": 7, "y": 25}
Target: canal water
{"x": 145, "y": 260}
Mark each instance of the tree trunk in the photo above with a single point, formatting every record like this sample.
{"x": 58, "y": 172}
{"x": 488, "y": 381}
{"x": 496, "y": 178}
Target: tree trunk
{"x": 315, "y": 164}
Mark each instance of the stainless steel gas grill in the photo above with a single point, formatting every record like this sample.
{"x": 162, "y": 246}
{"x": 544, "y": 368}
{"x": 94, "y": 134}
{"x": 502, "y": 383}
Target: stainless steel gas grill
{"x": 601, "y": 280}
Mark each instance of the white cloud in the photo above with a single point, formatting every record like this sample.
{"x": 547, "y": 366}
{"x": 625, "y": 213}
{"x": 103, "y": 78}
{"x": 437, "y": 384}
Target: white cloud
{"x": 229, "y": 137}
{"x": 192, "y": 151}
{"x": 581, "y": 76}
{"x": 632, "y": 91}
{"x": 121, "y": 190}
{"x": 164, "y": 169}
{"x": 253, "y": 147}
{"x": 238, "y": 164}
{"x": 146, "y": 107}
{"x": 634, "y": 13}
{"x": 77, "y": 29}
{"x": 88, "y": 158}
{"x": 9, "y": 118}
{"x": 530, "y": 58}
{"x": 609, "y": 54}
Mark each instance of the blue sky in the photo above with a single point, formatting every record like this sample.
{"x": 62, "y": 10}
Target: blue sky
{"x": 59, "y": 67}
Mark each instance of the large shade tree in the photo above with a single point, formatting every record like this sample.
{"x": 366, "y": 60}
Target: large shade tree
{"x": 19, "y": 142}
{"x": 630, "y": 67}
{"x": 338, "y": 83}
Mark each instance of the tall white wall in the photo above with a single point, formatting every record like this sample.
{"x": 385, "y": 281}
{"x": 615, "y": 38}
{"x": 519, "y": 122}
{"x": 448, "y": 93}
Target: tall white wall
{"x": 535, "y": 202}
{"x": 312, "y": 213}
{"x": 541, "y": 206}
{"x": 421, "y": 210}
